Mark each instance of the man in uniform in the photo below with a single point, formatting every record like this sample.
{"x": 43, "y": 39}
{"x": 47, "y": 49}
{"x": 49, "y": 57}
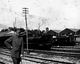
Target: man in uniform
{"x": 15, "y": 44}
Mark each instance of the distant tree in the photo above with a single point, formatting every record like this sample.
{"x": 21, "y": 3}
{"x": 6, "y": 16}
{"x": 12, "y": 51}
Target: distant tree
{"x": 11, "y": 28}
{"x": 37, "y": 33}
{"x": 4, "y": 30}
{"x": 22, "y": 29}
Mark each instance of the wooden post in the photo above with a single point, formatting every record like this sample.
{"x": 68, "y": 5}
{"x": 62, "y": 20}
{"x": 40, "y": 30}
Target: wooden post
{"x": 25, "y": 11}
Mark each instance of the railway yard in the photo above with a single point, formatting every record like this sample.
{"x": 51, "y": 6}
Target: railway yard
{"x": 45, "y": 32}
{"x": 44, "y": 50}
{"x": 57, "y": 55}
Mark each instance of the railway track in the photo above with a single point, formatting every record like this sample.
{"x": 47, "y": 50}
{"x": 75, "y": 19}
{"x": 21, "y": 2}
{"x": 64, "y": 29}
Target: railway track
{"x": 60, "y": 51}
{"x": 70, "y": 53}
{"x": 74, "y": 50}
{"x": 37, "y": 59}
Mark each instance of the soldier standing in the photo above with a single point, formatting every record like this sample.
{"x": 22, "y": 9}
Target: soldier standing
{"x": 16, "y": 47}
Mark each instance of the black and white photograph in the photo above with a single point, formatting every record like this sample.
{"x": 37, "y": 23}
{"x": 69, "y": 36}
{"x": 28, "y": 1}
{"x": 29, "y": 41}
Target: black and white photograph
{"x": 39, "y": 31}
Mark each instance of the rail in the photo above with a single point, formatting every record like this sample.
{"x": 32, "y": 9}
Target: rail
{"x": 36, "y": 59}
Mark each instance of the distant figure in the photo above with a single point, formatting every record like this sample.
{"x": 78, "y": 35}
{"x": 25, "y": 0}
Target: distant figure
{"x": 15, "y": 44}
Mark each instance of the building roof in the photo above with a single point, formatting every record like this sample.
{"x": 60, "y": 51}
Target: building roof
{"x": 69, "y": 31}
{"x": 57, "y": 31}
{"x": 72, "y": 29}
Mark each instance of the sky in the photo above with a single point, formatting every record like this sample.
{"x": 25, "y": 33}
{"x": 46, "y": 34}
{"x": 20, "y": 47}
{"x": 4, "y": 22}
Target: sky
{"x": 55, "y": 14}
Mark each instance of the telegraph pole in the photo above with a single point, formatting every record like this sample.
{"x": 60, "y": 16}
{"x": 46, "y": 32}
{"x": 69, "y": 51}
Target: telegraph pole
{"x": 25, "y": 11}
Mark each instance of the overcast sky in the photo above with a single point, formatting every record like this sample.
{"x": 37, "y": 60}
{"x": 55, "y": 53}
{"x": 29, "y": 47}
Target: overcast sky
{"x": 55, "y": 14}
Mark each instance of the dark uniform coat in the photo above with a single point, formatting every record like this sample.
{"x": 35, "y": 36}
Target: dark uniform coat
{"x": 15, "y": 43}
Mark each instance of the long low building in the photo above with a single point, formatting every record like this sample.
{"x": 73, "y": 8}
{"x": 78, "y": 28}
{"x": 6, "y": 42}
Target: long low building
{"x": 70, "y": 31}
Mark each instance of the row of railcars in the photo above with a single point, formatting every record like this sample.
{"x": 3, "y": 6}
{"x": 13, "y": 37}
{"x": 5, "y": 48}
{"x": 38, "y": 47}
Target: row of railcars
{"x": 42, "y": 42}
{"x": 45, "y": 41}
